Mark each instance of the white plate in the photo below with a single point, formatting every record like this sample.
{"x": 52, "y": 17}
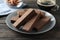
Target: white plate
{"x": 5, "y": 9}
{"x": 43, "y": 30}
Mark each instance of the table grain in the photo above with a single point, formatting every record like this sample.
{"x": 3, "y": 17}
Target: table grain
{"x": 8, "y": 34}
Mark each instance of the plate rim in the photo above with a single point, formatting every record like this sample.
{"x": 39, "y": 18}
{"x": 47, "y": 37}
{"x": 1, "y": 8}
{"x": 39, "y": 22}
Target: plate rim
{"x": 33, "y": 33}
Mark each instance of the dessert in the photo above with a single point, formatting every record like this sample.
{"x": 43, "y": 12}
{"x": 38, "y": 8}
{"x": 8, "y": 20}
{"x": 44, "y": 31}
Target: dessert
{"x": 39, "y": 12}
{"x": 29, "y": 25}
{"x": 30, "y": 19}
{"x": 40, "y": 24}
{"x": 21, "y": 12}
{"x": 29, "y": 14}
{"x": 13, "y": 19}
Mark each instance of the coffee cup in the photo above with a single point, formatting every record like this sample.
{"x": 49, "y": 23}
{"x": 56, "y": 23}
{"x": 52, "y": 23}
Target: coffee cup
{"x": 47, "y": 5}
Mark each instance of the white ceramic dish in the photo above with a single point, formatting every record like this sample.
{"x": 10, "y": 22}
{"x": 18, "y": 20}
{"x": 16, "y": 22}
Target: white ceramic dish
{"x": 43, "y": 30}
{"x": 6, "y": 9}
{"x": 17, "y": 6}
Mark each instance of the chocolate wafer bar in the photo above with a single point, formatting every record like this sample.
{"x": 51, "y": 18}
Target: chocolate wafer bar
{"x": 39, "y": 12}
{"x": 29, "y": 25}
{"x": 29, "y": 14}
{"x": 40, "y": 24}
{"x": 13, "y": 19}
{"x": 21, "y": 12}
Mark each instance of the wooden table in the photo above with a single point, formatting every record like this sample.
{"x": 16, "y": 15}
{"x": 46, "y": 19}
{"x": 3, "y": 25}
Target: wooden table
{"x": 8, "y": 34}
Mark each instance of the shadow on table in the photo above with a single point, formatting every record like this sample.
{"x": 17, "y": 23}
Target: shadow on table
{"x": 3, "y": 16}
{"x": 49, "y": 34}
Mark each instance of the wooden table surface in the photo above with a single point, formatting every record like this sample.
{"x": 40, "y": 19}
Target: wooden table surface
{"x": 8, "y": 34}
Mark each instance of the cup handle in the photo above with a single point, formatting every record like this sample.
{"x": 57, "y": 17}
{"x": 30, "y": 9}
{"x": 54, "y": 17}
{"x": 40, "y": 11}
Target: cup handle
{"x": 55, "y": 8}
